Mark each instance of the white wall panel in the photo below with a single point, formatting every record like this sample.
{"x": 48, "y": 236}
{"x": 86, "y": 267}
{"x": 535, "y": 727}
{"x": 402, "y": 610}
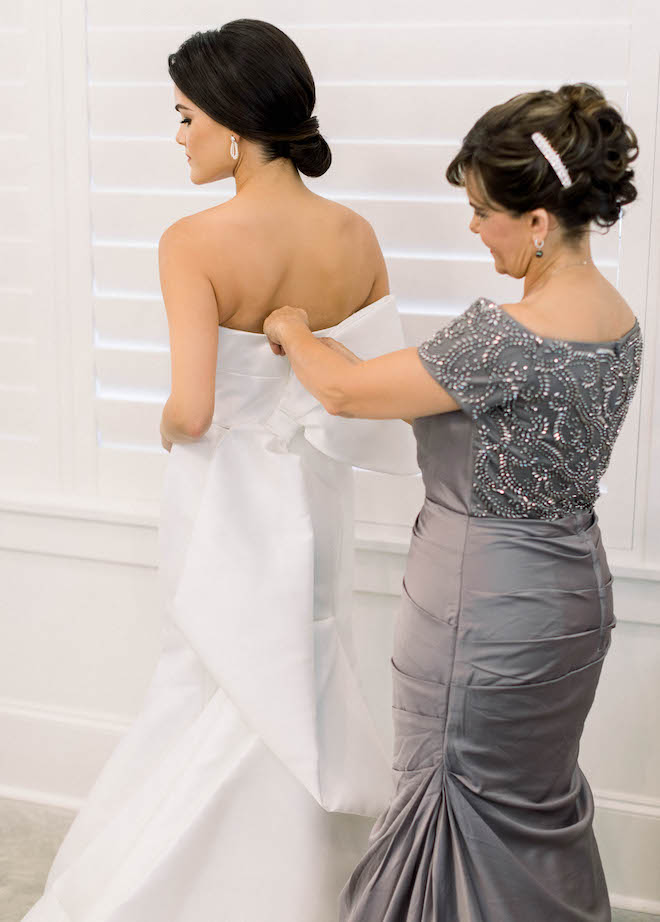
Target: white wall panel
{"x": 205, "y": 14}
{"x": 13, "y": 52}
{"x": 405, "y": 52}
{"x": 112, "y": 616}
{"x": 13, "y": 16}
{"x": 17, "y": 312}
{"x": 411, "y": 52}
{"x": 19, "y": 411}
{"x": 133, "y": 473}
{"x": 627, "y": 709}
{"x": 29, "y": 379}
{"x": 14, "y": 222}
{"x": 130, "y": 421}
{"x": 15, "y": 210}
{"x": 15, "y": 100}
{"x": 131, "y": 320}
{"x": 143, "y": 163}
{"x": 18, "y": 362}
{"x": 16, "y": 263}
{"x": 134, "y": 369}
{"x": 14, "y": 160}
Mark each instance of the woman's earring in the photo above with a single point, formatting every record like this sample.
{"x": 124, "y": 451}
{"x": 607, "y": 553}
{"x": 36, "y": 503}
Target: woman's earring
{"x": 539, "y": 244}
{"x": 233, "y": 148}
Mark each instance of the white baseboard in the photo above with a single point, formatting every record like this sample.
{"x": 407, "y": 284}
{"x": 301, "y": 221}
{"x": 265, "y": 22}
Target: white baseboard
{"x": 649, "y": 907}
{"x": 43, "y": 798}
{"x": 52, "y": 756}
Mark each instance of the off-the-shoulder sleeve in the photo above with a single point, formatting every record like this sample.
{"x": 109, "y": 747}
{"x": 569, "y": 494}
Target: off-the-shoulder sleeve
{"x": 482, "y": 358}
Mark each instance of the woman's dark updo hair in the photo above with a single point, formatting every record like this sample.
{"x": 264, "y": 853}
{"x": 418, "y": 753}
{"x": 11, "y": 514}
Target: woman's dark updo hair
{"x": 252, "y": 78}
{"x": 587, "y": 132}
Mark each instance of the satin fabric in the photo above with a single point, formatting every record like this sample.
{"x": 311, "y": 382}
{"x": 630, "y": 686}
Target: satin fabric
{"x": 498, "y": 647}
{"x": 246, "y": 788}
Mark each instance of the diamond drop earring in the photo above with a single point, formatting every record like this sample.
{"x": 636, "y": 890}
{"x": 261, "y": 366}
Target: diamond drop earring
{"x": 233, "y": 148}
{"x": 539, "y": 244}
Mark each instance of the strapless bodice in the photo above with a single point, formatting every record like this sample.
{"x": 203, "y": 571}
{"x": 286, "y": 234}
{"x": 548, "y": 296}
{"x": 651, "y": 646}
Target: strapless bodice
{"x": 256, "y": 387}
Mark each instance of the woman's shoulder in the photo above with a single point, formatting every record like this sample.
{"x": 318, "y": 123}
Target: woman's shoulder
{"x": 590, "y": 311}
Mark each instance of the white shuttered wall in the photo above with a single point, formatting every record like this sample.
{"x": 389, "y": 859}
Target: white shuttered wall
{"x": 398, "y": 87}
{"x": 28, "y": 370}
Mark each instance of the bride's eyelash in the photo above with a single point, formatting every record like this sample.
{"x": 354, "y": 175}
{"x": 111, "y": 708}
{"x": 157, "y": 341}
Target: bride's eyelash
{"x": 184, "y": 121}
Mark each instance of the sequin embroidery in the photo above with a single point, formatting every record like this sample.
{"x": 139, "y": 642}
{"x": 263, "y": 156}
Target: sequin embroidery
{"x": 546, "y": 412}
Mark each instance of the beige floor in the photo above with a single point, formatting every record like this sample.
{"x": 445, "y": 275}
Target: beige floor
{"x": 29, "y": 837}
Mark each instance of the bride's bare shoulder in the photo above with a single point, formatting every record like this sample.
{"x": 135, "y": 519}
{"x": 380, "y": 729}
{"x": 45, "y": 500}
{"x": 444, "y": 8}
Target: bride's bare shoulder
{"x": 201, "y": 229}
{"x": 343, "y": 215}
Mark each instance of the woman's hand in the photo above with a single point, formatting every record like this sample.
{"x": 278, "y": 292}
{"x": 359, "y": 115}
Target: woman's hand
{"x": 278, "y": 321}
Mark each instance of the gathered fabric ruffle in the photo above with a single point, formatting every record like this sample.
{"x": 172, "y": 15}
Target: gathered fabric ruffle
{"x": 497, "y": 656}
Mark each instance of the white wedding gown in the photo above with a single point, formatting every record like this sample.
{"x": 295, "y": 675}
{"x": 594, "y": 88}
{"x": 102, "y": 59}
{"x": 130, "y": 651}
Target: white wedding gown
{"x": 244, "y": 789}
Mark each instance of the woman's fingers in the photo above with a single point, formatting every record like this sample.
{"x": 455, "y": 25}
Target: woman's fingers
{"x": 280, "y": 317}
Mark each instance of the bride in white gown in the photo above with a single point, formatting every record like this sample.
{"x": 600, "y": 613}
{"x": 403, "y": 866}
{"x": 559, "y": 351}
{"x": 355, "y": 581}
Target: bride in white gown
{"x": 245, "y": 788}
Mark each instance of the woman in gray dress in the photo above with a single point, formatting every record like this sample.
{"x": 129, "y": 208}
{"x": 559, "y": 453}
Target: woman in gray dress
{"x": 507, "y": 600}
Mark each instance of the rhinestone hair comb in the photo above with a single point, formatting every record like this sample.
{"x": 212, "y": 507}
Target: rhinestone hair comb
{"x": 553, "y": 158}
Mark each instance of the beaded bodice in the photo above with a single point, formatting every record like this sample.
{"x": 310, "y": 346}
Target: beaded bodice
{"x": 544, "y": 413}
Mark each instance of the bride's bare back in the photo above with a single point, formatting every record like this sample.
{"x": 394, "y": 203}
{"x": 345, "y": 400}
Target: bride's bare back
{"x": 273, "y": 244}
{"x": 300, "y": 249}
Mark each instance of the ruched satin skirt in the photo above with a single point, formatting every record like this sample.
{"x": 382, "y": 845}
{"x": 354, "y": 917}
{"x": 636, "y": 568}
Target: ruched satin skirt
{"x": 498, "y": 648}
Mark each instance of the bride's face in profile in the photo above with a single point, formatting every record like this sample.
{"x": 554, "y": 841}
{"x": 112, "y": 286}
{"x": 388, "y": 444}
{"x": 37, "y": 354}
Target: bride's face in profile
{"x": 509, "y": 238}
{"x": 205, "y": 141}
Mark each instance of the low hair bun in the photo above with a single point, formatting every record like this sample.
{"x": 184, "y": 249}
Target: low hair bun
{"x": 311, "y": 155}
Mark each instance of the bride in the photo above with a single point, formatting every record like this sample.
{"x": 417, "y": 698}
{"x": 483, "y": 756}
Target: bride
{"x": 244, "y": 790}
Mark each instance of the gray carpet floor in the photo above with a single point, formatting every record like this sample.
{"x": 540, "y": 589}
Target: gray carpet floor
{"x": 30, "y": 835}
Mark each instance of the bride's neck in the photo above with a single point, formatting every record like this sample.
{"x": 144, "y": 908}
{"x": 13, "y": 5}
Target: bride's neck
{"x": 278, "y": 177}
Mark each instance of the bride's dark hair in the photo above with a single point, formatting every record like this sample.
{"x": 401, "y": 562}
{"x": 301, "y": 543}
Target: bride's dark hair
{"x": 252, "y": 78}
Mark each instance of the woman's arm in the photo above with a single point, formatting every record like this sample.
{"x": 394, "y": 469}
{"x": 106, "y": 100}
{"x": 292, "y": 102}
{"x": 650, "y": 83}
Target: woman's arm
{"x": 192, "y": 317}
{"x": 392, "y": 386}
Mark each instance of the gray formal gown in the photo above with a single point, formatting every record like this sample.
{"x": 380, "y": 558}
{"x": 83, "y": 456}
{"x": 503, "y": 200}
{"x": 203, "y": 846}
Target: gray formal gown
{"x": 505, "y": 621}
